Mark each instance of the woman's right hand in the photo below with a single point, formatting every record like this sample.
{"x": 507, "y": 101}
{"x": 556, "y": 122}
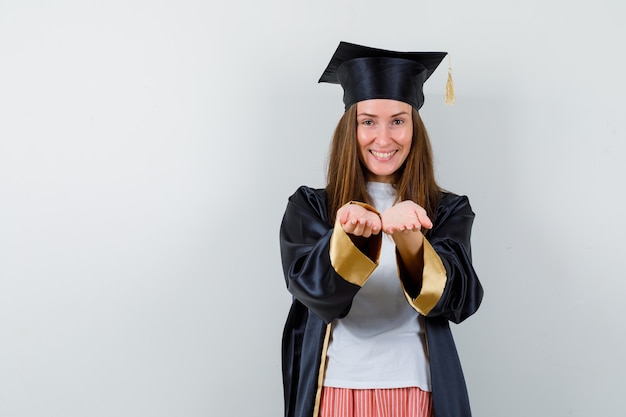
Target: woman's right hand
{"x": 358, "y": 221}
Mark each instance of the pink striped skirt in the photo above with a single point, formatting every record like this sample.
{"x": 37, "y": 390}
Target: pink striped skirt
{"x": 377, "y": 402}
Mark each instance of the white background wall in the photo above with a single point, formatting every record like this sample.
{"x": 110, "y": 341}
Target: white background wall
{"x": 147, "y": 150}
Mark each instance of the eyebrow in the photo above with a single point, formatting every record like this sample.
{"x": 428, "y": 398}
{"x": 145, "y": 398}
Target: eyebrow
{"x": 375, "y": 115}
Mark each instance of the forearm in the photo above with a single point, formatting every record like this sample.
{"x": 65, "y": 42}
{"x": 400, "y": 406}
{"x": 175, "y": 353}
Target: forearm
{"x": 410, "y": 246}
{"x": 323, "y": 268}
{"x": 449, "y": 284}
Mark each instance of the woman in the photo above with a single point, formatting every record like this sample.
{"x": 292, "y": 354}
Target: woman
{"x": 379, "y": 261}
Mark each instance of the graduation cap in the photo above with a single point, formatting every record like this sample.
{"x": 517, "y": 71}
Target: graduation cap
{"x": 370, "y": 73}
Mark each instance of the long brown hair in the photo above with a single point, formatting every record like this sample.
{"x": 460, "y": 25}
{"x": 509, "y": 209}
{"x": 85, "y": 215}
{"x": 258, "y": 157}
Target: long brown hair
{"x": 345, "y": 180}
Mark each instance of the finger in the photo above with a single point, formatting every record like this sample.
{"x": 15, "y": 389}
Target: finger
{"x": 389, "y": 230}
{"x": 342, "y": 213}
{"x": 423, "y": 219}
{"x": 374, "y": 224}
{"x": 348, "y": 227}
{"x": 359, "y": 227}
{"x": 350, "y": 223}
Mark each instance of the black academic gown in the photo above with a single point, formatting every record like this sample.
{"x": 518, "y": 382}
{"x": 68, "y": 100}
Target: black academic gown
{"x": 319, "y": 266}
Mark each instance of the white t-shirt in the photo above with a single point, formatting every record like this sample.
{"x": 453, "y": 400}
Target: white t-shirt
{"x": 381, "y": 342}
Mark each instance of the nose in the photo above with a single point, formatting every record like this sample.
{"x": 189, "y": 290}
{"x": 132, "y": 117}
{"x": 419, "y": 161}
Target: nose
{"x": 383, "y": 136}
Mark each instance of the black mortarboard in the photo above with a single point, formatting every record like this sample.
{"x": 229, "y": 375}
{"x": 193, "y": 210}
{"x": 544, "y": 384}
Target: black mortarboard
{"x": 367, "y": 73}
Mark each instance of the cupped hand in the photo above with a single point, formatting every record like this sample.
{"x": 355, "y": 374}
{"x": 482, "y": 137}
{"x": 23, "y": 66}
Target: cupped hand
{"x": 405, "y": 216}
{"x": 358, "y": 221}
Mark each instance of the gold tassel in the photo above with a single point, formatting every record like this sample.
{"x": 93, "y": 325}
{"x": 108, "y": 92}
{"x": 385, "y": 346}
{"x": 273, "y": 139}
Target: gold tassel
{"x": 449, "y": 85}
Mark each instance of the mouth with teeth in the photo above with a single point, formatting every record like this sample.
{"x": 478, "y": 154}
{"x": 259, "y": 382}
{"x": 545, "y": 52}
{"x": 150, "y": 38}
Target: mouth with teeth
{"x": 383, "y": 156}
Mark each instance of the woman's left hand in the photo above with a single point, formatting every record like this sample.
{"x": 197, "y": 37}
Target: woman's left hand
{"x": 405, "y": 216}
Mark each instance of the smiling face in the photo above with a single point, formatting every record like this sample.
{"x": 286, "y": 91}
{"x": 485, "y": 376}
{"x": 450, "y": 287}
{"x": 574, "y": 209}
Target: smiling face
{"x": 384, "y": 134}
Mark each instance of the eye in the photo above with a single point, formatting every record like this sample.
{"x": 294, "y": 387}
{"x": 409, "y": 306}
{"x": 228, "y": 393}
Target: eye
{"x": 367, "y": 122}
{"x": 398, "y": 122}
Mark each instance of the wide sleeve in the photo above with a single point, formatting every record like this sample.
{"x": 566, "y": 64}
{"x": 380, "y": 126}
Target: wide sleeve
{"x": 450, "y": 286}
{"x": 323, "y": 268}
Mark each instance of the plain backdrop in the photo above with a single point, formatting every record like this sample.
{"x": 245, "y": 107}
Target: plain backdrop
{"x": 148, "y": 148}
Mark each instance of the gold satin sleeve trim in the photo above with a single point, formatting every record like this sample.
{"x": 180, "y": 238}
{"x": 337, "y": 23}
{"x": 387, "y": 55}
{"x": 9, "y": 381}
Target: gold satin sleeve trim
{"x": 347, "y": 260}
{"x": 433, "y": 281}
{"x": 322, "y": 372}
{"x": 365, "y": 205}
